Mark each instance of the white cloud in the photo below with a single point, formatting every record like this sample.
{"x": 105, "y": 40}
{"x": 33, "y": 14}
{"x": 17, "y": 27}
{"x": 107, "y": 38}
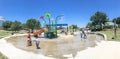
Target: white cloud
{"x": 2, "y": 18}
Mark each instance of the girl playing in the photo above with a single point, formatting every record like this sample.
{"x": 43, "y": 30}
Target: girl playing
{"x": 29, "y": 42}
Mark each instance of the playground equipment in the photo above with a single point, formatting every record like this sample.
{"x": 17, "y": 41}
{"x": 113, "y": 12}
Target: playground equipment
{"x": 38, "y": 32}
{"x": 51, "y": 26}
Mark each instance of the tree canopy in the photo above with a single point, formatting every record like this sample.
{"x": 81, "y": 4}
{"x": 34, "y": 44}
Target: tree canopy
{"x": 33, "y": 24}
{"x": 73, "y": 27}
{"x": 98, "y": 19}
{"x": 90, "y": 24}
{"x": 16, "y": 25}
{"x": 117, "y": 20}
{"x": 6, "y": 25}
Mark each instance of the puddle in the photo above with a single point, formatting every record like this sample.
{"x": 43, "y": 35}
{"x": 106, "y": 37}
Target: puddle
{"x": 59, "y": 47}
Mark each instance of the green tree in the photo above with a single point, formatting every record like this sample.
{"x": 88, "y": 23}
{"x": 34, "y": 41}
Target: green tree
{"x": 6, "y": 25}
{"x": 73, "y": 27}
{"x": 37, "y": 25}
{"x": 60, "y": 27}
{"x": 99, "y": 18}
{"x": 90, "y": 24}
{"x": 16, "y": 25}
{"x": 33, "y": 24}
{"x": 24, "y": 26}
{"x": 117, "y": 21}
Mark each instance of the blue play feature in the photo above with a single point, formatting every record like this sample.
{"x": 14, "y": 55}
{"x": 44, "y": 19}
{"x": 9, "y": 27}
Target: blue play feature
{"x": 57, "y": 25}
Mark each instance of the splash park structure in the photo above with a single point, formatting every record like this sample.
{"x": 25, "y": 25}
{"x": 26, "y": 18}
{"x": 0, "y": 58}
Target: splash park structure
{"x": 57, "y": 49}
{"x": 50, "y": 29}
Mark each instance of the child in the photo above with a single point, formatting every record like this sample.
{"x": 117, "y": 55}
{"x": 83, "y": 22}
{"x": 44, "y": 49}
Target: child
{"x": 37, "y": 42}
{"x": 83, "y": 34}
{"x": 66, "y": 32}
{"x": 29, "y": 43}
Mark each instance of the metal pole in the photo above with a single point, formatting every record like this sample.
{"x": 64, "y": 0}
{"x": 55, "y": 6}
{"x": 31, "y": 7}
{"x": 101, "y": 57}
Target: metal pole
{"x": 49, "y": 25}
{"x": 115, "y": 36}
{"x": 56, "y": 22}
{"x": 56, "y": 25}
{"x": 44, "y": 20}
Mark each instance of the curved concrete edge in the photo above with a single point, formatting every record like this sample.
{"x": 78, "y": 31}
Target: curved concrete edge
{"x": 102, "y": 34}
{"x": 12, "y": 52}
{"x": 13, "y": 36}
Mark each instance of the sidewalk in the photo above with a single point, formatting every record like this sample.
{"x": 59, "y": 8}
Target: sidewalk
{"x": 104, "y": 50}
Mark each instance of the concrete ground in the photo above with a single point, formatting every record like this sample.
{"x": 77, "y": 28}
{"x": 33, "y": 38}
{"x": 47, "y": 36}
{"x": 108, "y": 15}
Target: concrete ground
{"x": 75, "y": 49}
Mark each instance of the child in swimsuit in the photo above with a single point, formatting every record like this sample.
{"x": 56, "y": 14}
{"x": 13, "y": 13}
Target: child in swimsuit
{"x": 29, "y": 42}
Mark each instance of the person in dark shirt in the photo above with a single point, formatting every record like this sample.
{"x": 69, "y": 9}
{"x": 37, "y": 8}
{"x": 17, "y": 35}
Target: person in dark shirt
{"x": 83, "y": 34}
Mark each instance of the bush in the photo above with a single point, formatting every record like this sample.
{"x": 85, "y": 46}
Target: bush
{"x": 118, "y": 25}
{"x": 108, "y": 27}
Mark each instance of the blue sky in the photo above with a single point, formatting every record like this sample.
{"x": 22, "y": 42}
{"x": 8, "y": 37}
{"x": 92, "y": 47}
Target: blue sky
{"x": 75, "y": 11}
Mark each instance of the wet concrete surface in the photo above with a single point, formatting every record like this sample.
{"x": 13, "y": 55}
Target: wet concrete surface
{"x": 58, "y": 47}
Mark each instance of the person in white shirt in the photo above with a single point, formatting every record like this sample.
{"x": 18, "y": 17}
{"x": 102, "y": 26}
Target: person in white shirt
{"x": 37, "y": 42}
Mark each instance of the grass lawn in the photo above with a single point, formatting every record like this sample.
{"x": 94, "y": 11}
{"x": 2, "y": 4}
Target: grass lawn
{"x": 4, "y": 33}
{"x": 110, "y": 34}
{"x": 2, "y": 56}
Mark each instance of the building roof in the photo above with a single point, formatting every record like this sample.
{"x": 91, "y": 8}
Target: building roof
{"x": 109, "y": 23}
